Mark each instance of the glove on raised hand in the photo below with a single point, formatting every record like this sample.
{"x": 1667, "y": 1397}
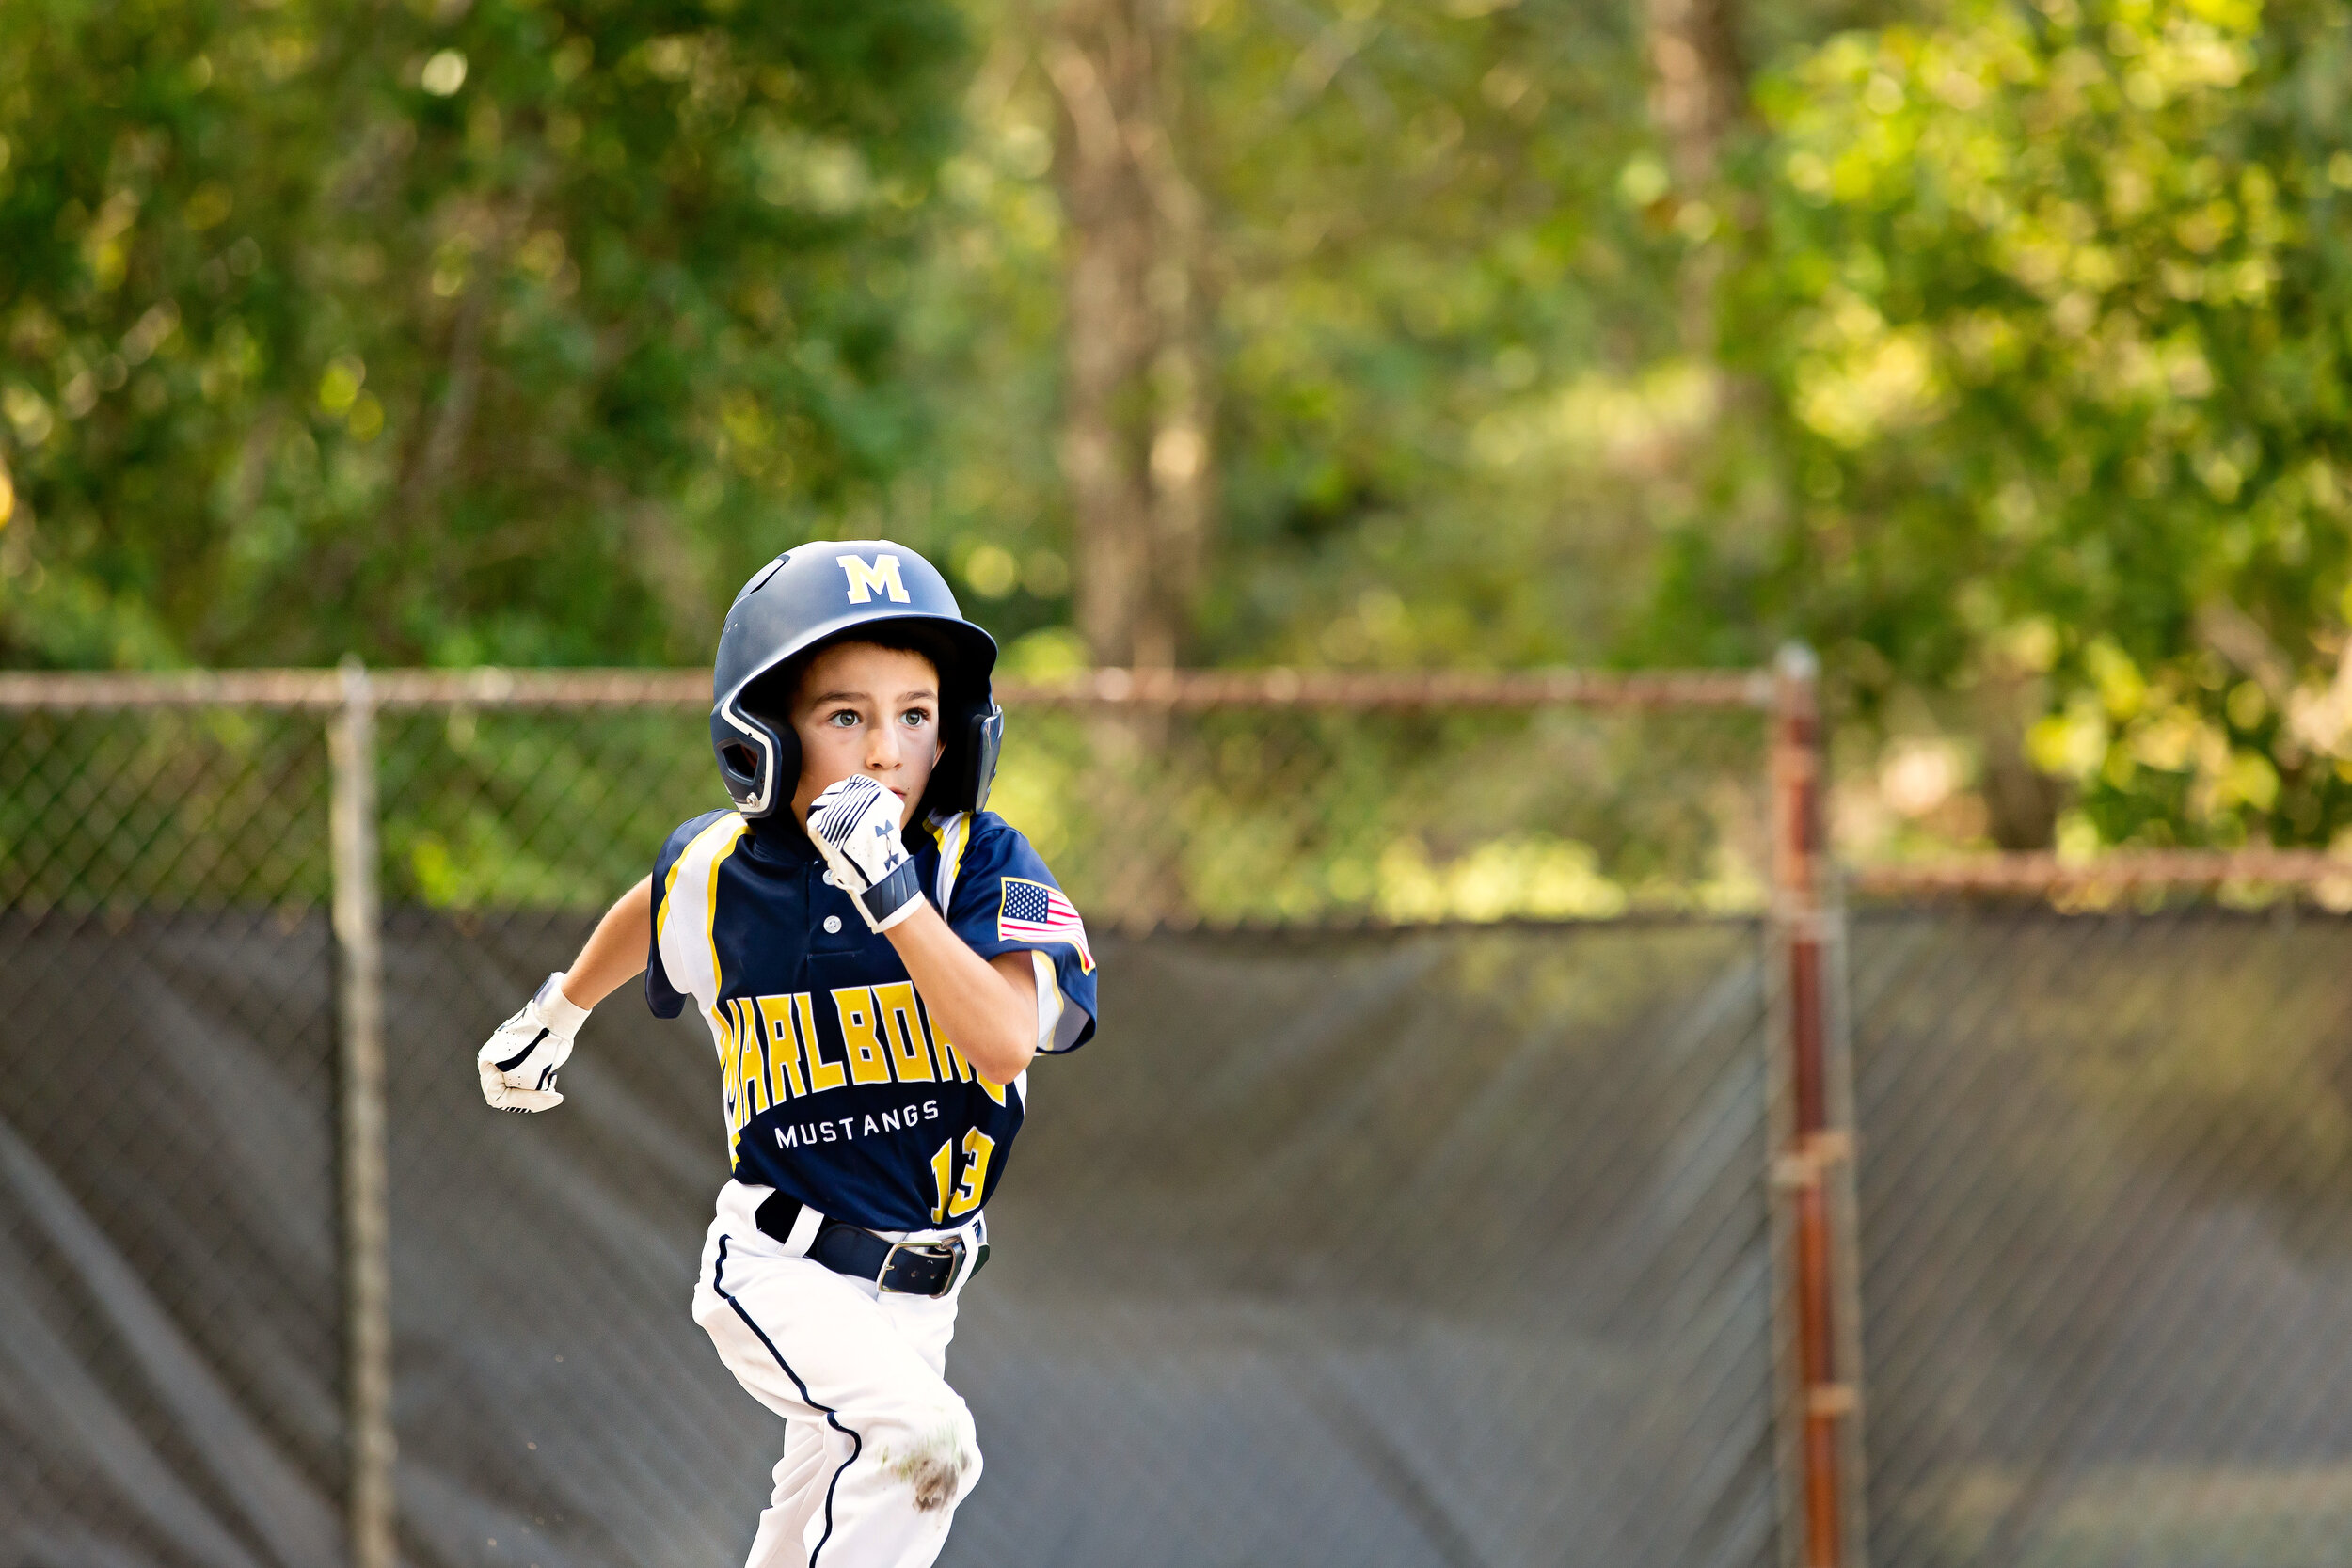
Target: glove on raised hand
{"x": 855, "y": 826}
{"x": 520, "y": 1063}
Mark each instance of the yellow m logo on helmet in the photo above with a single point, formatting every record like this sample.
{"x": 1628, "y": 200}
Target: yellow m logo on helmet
{"x": 867, "y": 580}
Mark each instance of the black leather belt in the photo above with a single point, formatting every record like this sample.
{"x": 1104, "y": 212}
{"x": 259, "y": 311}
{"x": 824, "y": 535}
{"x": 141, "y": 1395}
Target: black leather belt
{"x": 903, "y": 1268}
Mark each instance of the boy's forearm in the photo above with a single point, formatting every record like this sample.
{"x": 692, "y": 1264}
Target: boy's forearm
{"x": 616, "y": 951}
{"x": 986, "y": 1008}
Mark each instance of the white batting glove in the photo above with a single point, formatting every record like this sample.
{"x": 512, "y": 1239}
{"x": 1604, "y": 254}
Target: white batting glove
{"x": 520, "y": 1063}
{"x": 855, "y": 826}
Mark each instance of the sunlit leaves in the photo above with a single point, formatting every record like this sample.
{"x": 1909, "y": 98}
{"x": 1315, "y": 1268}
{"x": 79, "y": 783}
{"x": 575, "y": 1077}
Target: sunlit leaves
{"x": 2052, "y": 304}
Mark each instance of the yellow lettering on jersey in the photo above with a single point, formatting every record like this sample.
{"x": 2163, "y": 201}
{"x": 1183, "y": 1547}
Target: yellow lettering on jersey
{"x": 977, "y": 1146}
{"x": 881, "y": 578}
{"x": 868, "y": 1062}
{"x": 943, "y": 1177}
{"x": 822, "y": 1074}
{"x": 752, "y": 1095}
{"x": 783, "y": 1049}
{"x": 902, "y": 1025}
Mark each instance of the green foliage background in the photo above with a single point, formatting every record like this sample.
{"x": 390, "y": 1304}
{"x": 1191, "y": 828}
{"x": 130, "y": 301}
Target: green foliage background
{"x": 509, "y": 336}
{"x": 519, "y": 331}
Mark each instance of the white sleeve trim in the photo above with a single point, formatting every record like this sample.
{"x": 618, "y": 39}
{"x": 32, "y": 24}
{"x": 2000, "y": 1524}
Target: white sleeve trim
{"x": 1049, "y": 999}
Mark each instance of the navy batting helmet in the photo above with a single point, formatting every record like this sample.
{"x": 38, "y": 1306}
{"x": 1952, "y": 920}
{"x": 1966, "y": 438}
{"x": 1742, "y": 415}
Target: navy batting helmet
{"x": 812, "y": 595}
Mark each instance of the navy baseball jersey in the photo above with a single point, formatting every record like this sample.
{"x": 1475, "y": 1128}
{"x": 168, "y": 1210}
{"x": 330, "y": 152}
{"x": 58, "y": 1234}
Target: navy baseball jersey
{"x": 840, "y": 1090}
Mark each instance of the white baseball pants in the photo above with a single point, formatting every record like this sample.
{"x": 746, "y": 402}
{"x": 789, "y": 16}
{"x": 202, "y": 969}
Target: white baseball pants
{"x": 878, "y": 1449}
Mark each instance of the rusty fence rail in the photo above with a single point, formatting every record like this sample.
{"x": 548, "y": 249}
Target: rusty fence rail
{"x": 2042, "y": 874}
{"x": 322, "y": 690}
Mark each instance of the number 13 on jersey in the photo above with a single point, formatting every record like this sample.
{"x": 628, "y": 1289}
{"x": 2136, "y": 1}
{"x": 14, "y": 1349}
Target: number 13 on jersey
{"x": 961, "y": 1198}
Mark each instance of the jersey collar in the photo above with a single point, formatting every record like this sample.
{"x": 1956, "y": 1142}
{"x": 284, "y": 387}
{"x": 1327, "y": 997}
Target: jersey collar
{"x": 780, "y": 841}
{"x": 777, "y": 838}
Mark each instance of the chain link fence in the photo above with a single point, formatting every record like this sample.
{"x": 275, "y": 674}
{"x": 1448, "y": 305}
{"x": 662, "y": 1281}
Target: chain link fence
{"x": 1427, "y": 1198}
{"x": 2106, "y": 1185}
{"x": 164, "y": 876}
{"x": 1417, "y": 1204}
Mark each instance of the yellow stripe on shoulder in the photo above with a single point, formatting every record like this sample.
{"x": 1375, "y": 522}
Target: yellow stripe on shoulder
{"x": 953, "y": 833}
{"x": 710, "y": 913}
{"x": 690, "y": 907}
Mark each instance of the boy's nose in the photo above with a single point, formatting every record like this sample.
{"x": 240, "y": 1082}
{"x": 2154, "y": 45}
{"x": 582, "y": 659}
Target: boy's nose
{"x": 882, "y": 750}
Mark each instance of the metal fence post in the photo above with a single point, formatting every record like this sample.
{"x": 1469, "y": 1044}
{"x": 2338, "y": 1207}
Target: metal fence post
{"x": 360, "y": 1014}
{"x": 1813, "y": 1163}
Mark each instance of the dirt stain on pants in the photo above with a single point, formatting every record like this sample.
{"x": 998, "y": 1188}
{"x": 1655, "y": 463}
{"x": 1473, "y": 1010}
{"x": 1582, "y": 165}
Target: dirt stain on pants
{"x": 934, "y": 1469}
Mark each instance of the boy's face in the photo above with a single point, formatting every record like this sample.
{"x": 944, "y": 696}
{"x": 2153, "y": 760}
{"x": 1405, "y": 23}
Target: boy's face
{"x": 863, "y": 709}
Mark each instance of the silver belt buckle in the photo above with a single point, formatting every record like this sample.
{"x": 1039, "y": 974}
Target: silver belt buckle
{"x": 951, "y": 1250}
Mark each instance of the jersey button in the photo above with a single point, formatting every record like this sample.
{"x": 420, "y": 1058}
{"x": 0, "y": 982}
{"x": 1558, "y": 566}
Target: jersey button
{"x": 832, "y": 924}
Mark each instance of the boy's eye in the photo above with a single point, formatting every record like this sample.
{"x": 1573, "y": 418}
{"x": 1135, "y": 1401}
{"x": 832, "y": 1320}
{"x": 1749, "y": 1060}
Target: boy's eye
{"x": 841, "y": 719}
{"x": 914, "y": 717}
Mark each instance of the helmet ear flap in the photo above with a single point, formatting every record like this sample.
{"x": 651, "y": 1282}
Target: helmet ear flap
{"x": 976, "y": 733}
{"x": 986, "y": 742}
{"x": 753, "y": 759}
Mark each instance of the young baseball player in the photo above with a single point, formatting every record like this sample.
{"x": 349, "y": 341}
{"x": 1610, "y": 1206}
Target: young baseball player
{"x": 878, "y": 958}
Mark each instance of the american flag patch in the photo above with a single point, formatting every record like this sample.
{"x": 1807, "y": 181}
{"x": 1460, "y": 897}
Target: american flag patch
{"x": 1032, "y": 912}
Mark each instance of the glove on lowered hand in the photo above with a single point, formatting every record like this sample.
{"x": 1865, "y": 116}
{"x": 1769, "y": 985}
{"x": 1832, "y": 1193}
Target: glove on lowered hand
{"x": 855, "y": 826}
{"x": 520, "y": 1063}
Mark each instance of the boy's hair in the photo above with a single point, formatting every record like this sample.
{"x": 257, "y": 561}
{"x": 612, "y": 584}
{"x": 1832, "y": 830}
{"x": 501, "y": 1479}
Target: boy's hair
{"x": 773, "y": 694}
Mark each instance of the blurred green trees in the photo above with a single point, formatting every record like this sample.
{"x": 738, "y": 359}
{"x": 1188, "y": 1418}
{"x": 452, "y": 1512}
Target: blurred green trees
{"x": 476, "y": 331}
{"x": 518, "y": 331}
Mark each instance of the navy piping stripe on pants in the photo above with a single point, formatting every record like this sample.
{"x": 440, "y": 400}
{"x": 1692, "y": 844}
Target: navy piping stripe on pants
{"x": 857, "y": 1444}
